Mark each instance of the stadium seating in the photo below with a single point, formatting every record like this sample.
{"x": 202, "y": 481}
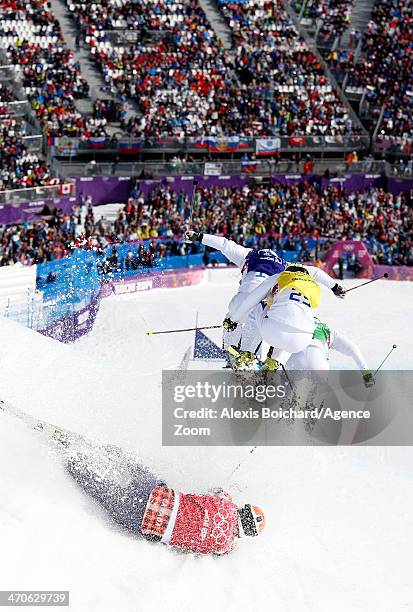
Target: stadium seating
{"x": 331, "y": 16}
{"x": 173, "y": 78}
{"x": 384, "y": 71}
{"x": 32, "y": 38}
{"x": 284, "y": 85}
{"x": 19, "y": 167}
{"x": 186, "y": 85}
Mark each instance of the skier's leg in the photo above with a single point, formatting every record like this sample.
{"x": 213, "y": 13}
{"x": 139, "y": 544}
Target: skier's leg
{"x": 282, "y": 336}
{"x": 312, "y": 358}
{"x": 317, "y": 358}
{"x": 125, "y": 501}
{"x": 281, "y": 356}
{"x": 231, "y": 338}
{"x": 297, "y": 361}
{"x": 251, "y": 336}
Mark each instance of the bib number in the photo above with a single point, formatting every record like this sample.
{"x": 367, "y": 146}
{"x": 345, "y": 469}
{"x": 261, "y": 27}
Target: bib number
{"x": 298, "y": 297}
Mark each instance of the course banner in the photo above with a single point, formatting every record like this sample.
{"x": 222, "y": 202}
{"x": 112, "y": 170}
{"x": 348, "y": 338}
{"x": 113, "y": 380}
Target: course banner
{"x": 227, "y": 408}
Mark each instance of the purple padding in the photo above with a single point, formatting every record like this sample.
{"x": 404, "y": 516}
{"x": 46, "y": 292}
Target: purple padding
{"x": 186, "y": 183}
{"x": 104, "y": 189}
{"x": 397, "y": 185}
{"x": 349, "y": 247}
{"x": 29, "y": 211}
{"x": 395, "y": 272}
{"x": 155, "y": 280}
{"x": 74, "y": 326}
{"x": 349, "y": 182}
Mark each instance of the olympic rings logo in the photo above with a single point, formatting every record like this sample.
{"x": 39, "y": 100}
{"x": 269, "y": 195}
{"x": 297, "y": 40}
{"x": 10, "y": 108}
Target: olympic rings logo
{"x": 220, "y": 531}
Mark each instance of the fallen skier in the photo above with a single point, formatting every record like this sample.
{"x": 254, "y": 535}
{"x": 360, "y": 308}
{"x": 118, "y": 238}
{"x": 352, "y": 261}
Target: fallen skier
{"x": 143, "y": 503}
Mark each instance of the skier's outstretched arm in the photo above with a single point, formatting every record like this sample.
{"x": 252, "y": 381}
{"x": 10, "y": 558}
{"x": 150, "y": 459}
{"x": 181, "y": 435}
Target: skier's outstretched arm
{"x": 325, "y": 279}
{"x": 238, "y": 313}
{"x": 232, "y": 251}
{"x": 347, "y": 347}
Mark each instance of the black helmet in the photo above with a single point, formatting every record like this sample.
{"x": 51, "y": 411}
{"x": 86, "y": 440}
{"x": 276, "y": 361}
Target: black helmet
{"x": 251, "y": 521}
{"x": 296, "y": 268}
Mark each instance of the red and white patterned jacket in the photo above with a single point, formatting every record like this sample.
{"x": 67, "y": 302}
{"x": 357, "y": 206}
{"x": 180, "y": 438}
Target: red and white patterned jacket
{"x": 206, "y": 524}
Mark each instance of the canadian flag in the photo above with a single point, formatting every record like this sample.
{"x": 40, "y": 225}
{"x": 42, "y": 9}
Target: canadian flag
{"x": 66, "y": 188}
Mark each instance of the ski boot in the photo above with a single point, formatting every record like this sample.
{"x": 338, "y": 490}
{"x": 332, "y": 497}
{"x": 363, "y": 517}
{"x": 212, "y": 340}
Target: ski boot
{"x": 242, "y": 360}
{"x": 270, "y": 365}
{"x": 245, "y": 360}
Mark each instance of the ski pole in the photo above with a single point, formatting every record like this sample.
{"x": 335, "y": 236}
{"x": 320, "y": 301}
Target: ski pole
{"x": 191, "y": 209}
{"x": 288, "y": 378}
{"x": 386, "y": 358}
{"x": 240, "y": 463}
{"x": 191, "y": 212}
{"x": 175, "y": 331}
{"x": 385, "y": 275}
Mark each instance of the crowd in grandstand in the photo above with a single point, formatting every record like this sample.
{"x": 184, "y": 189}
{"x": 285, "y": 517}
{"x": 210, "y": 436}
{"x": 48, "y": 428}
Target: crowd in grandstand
{"x": 36, "y": 242}
{"x": 385, "y": 68}
{"x": 283, "y": 78}
{"x": 6, "y": 96}
{"x": 283, "y": 217}
{"x": 332, "y": 16}
{"x": 301, "y": 217}
{"x": 19, "y": 167}
{"x": 32, "y": 37}
{"x": 173, "y": 79}
{"x": 186, "y": 85}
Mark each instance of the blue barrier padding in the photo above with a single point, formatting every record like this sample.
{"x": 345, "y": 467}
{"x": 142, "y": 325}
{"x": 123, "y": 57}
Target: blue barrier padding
{"x": 68, "y": 284}
{"x": 71, "y": 279}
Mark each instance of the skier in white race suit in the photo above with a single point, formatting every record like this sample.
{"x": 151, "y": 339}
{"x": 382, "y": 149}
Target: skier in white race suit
{"x": 283, "y": 307}
{"x": 316, "y": 355}
{"x": 256, "y": 266}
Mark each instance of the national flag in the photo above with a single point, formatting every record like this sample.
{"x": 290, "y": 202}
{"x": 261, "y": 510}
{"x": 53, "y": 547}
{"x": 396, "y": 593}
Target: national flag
{"x": 297, "y": 141}
{"x": 97, "y": 142}
{"x": 66, "y": 188}
{"x": 129, "y": 147}
{"x": 222, "y": 145}
{"x": 267, "y": 146}
{"x": 249, "y": 166}
{"x": 200, "y": 143}
{"x": 245, "y": 142}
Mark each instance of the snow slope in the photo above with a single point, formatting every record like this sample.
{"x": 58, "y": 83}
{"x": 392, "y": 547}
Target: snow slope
{"x": 339, "y": 528}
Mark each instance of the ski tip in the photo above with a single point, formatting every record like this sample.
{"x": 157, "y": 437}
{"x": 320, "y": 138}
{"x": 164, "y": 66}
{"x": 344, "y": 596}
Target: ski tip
{"x": 149, "y": 333}
{"x": 233, "y": 351}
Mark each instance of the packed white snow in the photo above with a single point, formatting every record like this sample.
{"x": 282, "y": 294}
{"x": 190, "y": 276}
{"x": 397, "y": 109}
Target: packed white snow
{"x": 339, "y": 520}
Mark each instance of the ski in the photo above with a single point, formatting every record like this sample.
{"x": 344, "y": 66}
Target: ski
{"x": 49, "y": 430}
{"x": 256, "y": 364}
